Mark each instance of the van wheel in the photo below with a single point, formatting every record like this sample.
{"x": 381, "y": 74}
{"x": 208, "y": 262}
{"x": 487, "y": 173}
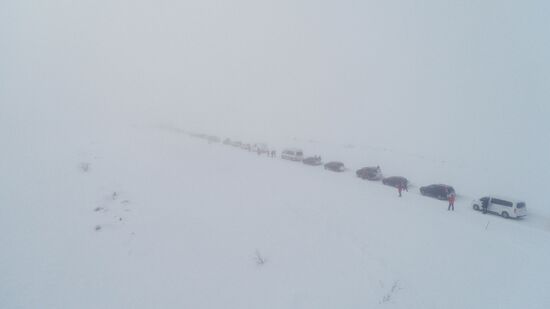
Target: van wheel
{"x": 476, "y": 207}
{"x": 505, "y": 215}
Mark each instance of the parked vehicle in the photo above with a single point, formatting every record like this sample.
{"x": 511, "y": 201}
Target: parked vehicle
{"x": 227, "y": 141}
{"x": 335, "y": 166}
{"x": 438, "y": 191}
{"x": 315, "y": 161}
{"x": 506, "y": 207}
{"x": 370, "y": 173}
{"x": 246, "y": 147}
{"x": 292, "y": 154}
{"x": 394, "y": 181}
{"x": 236, "y": 144}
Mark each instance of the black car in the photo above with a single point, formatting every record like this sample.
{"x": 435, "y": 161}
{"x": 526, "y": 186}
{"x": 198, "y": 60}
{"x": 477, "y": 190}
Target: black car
{"x": 437, "y": 191}
{"x": 395, "y": 181}
{"x": 335, "y": 166}
{"x": 315, "y": 161}
{"x": 370, "y": 173}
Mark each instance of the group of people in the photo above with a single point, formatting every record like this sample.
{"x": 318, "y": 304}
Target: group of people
{"x": 269, "y": 153}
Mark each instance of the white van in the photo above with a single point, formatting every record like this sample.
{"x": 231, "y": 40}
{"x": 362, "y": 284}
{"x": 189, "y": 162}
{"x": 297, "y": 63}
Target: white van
{"x": 293, "y": 154}
{"x": 506, "y": 207}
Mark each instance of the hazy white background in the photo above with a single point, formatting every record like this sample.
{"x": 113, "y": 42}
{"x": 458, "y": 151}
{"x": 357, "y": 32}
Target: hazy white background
{"x": 436, "y": 90}
{"x": 458, "y": 80}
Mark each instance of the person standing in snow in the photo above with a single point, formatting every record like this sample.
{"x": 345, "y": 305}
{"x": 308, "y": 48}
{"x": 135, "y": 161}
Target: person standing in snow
{"x": 400, "y": 188}
{"x": 451, "y": 198}
{"x": 485, "y": 205}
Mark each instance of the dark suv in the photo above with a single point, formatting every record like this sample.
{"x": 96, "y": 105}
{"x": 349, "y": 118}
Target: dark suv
{"x": 315, "y": 160}
{"x": 370, "y": 173}
{"x": 438, "y": 191}
{"x": 394, "y": 181}
{"x": 335, "y": 166}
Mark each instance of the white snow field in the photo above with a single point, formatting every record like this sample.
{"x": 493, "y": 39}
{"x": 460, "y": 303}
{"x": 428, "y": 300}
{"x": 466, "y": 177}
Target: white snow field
{"x": 148, "y": 218}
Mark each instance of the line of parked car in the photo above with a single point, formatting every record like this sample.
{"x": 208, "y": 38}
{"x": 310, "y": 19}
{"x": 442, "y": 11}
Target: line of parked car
{"x": 505, "y": 207}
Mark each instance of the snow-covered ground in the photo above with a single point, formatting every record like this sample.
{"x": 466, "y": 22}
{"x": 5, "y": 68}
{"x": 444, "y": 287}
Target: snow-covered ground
{"x": 142, "y": 217}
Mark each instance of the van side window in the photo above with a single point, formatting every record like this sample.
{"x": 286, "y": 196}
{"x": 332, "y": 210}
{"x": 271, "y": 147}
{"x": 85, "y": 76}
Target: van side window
{"x": 501, "y": 202}
{"x": 521, "y": 205}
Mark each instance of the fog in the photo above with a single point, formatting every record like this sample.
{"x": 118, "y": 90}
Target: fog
{"x": 460, "y": 80}
{"x": 105, "y": 202}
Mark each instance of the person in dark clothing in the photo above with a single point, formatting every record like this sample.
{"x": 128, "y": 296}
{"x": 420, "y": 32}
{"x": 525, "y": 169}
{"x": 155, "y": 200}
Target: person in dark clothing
{"x": 484, "y": 205}
{"x": 400, "y": 188}
{"x": 451, "y": 198}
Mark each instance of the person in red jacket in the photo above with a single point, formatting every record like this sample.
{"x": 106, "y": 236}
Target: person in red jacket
{"x": 451, "y": 198}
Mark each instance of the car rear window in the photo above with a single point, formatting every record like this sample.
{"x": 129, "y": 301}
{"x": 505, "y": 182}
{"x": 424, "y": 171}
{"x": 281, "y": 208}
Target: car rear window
{"x": 520, "y": 205}
{"x": 299, "y": 153}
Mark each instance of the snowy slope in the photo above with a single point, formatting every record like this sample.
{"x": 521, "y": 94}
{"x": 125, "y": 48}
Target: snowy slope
{"x": 155, "y": 218}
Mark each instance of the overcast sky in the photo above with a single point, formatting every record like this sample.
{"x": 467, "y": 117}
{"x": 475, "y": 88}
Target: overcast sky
{"x": 426, "y": 76}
